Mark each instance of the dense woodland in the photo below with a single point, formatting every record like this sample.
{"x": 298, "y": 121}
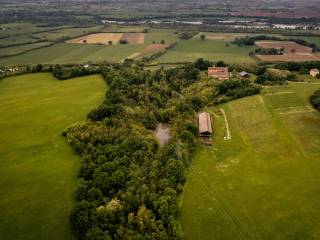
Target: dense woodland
{"x": 302, "y": 67}
{"x": 128, "y": 183}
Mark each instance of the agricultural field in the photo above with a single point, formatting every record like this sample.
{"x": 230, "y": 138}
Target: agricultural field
{"x": 14, "y": 29}
{"x": 310, "y": 39}
{"x": 114, "y": 38}
{"x": 9, "y": 51}
{"x": 21, "y": 39}
{"x": 302, "y": 57}
{"x": 124, "y": 28}
{"x": 292, "y": 52}
{"x": 75, "y": 53}
{"x": 65, "y": 33}
{"x": 263, "y": 183}
{"x": 156, "y": 35}
{"x": 222, "y": 36}
{"x": 35, "y": 158}
{"x": 140, "y": 45}
{"x": 288, "y": 46}
{"x": 214, "y": 50}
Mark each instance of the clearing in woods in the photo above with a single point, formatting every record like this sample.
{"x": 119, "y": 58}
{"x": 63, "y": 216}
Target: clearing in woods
{"x": 38, "y": 169}
{"x": 264, "y": 182}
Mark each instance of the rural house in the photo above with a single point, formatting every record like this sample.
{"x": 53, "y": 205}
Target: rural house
{"x": 221, "y": 73}
{"x": 314, "y": 72}
{"x": 204, "y": 127}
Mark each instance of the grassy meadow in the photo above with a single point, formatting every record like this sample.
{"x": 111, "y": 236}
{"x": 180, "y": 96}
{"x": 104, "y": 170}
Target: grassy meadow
{"x": 156, "y": 35}
{"x": 21, "y": 48}
{"x": 74, "y": 53}
{"x": 264, "y": 182}
{"x": 38, "y": 168}
{"x": 214, "y": 50}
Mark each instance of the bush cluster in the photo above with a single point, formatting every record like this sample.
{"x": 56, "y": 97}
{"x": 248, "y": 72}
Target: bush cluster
{"x": 315, "y": 99}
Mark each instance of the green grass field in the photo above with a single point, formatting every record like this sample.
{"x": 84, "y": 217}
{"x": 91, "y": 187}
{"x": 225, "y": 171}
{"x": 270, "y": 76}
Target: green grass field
{"x": 214, "y": 50}
{"x": 17, "y": 40}
{"x": 264, "y": 182}
{"x": 21, "y": 48}
{"x": 75, "y": 53}
{"x": 37, "y": 167}
{"x": 156, "y": 35}
{"x": 68, "y": 32}
{"x": 14, "y": 29}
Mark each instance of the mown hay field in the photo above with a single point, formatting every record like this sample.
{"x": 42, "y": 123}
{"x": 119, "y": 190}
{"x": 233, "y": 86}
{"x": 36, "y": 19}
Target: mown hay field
{"x": 263, "y": 183}
{"x": 97, "y": 38}
{"x": 106, "y": 38}
{"x": 38, "y": 169}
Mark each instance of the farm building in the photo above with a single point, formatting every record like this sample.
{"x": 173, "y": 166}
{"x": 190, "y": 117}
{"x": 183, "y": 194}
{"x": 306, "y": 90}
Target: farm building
{"x": 314, "y": 72}
{"x": 244, "y": 74}
{"x": 221, "y": 73}
{"x": 204, "y": 127}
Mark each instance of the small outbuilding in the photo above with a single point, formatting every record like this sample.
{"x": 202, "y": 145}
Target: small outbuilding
{"x": 314, "y": 72}
{"x": 205, "y": 127}
{"x": 244, "y": 74}
{"x": 221, "y": 73}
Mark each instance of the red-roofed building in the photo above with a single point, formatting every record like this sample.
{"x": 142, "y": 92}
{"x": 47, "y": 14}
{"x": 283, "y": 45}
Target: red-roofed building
{"x": 221, "y": 73}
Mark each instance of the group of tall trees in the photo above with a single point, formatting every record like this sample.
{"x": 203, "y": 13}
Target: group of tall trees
{"x": 302, "y": 67}
{"x": 315, "y": 99}
{"x": 269, "y": 51}
{"x": 274, "y": 76}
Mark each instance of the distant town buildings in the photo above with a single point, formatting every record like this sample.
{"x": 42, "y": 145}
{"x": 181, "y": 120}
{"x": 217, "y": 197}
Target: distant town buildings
{"x": 236, "y": 24}
{"x": 295, "y": 27}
